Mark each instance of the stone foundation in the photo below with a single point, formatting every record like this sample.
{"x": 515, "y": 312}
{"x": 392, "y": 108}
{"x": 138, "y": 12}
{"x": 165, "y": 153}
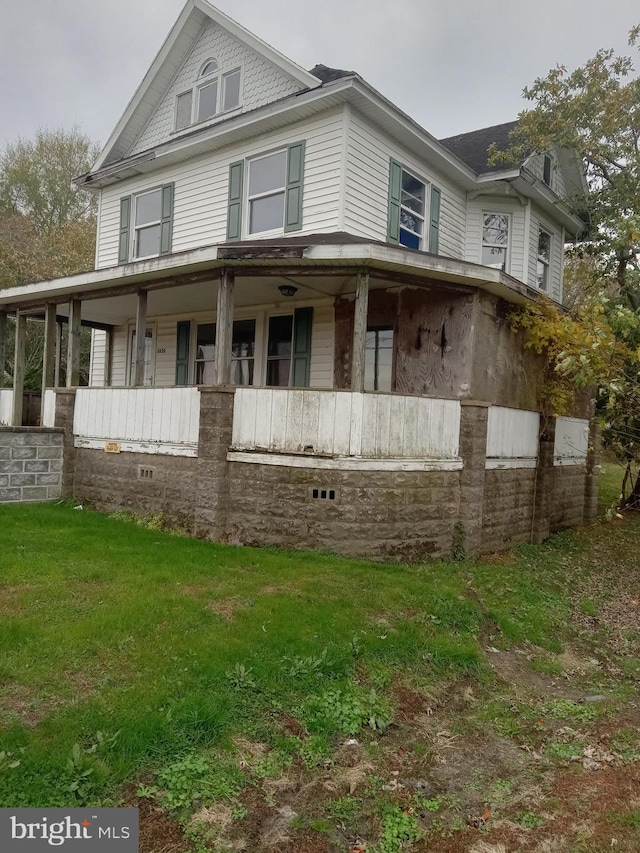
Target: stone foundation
{"x": 509, "y": 496}
{"x": 31, "y": 462}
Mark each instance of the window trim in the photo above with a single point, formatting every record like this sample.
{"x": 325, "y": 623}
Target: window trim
{"x": 150, "y": 224}
{"x": 507, "y": 257}
{"x": 246, "y": 225}
{"x": 177, "y": 129}
{"x": 427, "y": 208}
{"x": 540, "y": 260}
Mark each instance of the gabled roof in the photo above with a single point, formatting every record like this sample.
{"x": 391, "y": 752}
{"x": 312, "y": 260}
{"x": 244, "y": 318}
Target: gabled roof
{"x": 472, "y": 148}
{"x": 167, "y": 63}
{"x": 328, "y": 75}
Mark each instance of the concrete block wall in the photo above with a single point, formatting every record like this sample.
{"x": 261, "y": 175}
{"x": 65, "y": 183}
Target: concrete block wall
{"x": 509, "y": 497}
{"x": 31, "y": 460}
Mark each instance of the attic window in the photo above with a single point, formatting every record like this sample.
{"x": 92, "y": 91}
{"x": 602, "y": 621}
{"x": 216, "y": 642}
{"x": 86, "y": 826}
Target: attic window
{"x": 215, "y": 93}
{"x": 546, "y": 170}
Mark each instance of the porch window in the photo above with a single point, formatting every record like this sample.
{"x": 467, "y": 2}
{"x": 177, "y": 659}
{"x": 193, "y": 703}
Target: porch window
{"x": 242, "y": 353}
{"x": 544, "y": 259}
{"x": 267, "y": 186}
{"x": 378, "y": 359}
{"x": 495, "y": 240}
{"x": 279, "y": 350}
{"x": 148, "y": 357}
{"x": 412, "y": 209}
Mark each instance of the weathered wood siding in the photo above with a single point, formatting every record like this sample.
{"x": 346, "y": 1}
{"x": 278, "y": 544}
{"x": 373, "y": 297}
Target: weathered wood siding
{"x": 518, "y": 238}
{"x": 512, "y": 434}
{"x": 367, "y": 187}
{"x": 571, "y": 441}
{"x": 153, "y": 416}
{"x": 338, "y": 423}
{"x": 202, "y": 185}
{"x": 261, "y": 83}
{"x": 433, "y": 335}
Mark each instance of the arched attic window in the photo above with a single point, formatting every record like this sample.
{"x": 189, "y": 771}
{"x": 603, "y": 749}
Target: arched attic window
{"x": 215, "y": 92}
{"x": 209, "y": 67}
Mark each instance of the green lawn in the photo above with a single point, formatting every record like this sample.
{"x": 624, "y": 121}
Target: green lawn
{"x": 132, "y": 656}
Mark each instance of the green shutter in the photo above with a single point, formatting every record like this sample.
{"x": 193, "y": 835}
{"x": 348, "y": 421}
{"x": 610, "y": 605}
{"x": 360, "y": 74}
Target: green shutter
{"x": 166, "y": 225}
{"x": 183, "y": 340}
{"x": 295, "y": 182}
{"x": 234, "y": 210}
{"x": 395, "y": 190}
{"x": 125, "y": 228}
{"x": 301, "y": 367}
{"x": 434, "y": 221}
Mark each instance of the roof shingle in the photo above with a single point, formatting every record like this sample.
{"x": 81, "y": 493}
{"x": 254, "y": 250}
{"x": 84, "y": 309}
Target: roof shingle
{"x": 472, "y": 147}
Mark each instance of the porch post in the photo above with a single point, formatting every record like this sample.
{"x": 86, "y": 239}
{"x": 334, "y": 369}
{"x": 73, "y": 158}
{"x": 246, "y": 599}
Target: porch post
{"x": 73, "y": 344}
{"x": 18, "y": 368}
{"x": 360, "y": 331}
{"x": 50, "y": 355}
{"x": 141, "y": 333}
{"x": 108, "y": 343}
{"x": 58, "y": 364}
{"x": 3, "y": 345}
{"x": 224, "y": 327}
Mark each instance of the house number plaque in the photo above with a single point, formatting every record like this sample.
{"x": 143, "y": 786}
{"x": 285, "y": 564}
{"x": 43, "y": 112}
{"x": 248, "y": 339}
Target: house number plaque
{"x": 112, "y": 447}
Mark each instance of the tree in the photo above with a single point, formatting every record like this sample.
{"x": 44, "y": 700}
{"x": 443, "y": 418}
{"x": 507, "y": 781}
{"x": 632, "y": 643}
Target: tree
{"x": 594, "y": 111}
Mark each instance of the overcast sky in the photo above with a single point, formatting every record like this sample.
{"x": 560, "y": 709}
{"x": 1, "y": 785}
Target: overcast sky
{"x": 453, "y": 65}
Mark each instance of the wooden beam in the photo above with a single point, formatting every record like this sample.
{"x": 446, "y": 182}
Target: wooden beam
{"x": 224, "y": 327}
{"x": 108, "y": 346}
{"x": 49, "y": 356}
{"x": 18, "y": 369}
{"x": 58, "y": 364}
{"x": 3, "y": 345}
{"x": 360, "y": 331}
{"x": 73, "y": 344}
{"x": 141, "y": 338}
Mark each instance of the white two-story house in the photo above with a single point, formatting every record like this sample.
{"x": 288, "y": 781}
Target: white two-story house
{"x": 293, "y": 243}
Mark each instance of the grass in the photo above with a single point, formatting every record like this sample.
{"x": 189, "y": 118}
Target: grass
{"x": 133, "y": 657}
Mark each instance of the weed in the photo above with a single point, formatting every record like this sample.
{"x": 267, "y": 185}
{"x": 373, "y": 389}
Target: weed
{"x": 198, "y": 776}
{"x": 270, "y": 766}
{"x": 529, "y": 820}
{"x": 321, "y": 825}
{"x": 86, "y": 773}
{"x": 303, "y": 666}
{"x": 314, "y": 751}
{"x": 431, "y": 805}
{"x": 565, "y": 709}
{"x": 344, "y": 809}
{"x": 563, "y": 751}
{"x": 398, "y": 827}
{"x": 630, "y": 819}
{"x": 240, "y": 677}
{"x": 348, "y": 710}
{"x": 8, "y": 760}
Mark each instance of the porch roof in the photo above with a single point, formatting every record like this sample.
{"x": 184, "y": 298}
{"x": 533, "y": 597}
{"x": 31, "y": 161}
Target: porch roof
{"x": 325, "y": 264}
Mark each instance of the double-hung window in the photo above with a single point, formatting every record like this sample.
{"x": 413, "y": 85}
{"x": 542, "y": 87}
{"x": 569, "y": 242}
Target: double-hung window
{"x": 242, "y": 353}
{"x": 378, "y": 359}
{"x": 412, "y": 211}
{"x": 267, "y": 187}
{"x": 495, "y": 240}
{"x": 147, "y": 224}
{"x": 544, "y": 259}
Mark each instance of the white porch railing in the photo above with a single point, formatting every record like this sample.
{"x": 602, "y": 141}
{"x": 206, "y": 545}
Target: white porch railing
{"x": 49, "y": 408}
{"x": 571, "y": 441}
{"x": 343, "y": 425}
{"x": 140, "y": 420}
{"x": 6, "y": 406}
{"x": 512, "y": 438}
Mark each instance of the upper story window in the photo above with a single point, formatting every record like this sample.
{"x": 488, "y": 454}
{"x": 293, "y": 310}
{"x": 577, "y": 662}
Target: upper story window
{"x": 267, "y": 186}
{"x": 147, "y": 224}
{"x": 215, "y": 92}
{"x": 412, "y": 211}
{"x": 495, "y": 240}
{"x": 544, "y": 259}
{"x": 546, "y": 169}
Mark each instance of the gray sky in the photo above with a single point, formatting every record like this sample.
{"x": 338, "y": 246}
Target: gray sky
{"x": 453, "y": 65}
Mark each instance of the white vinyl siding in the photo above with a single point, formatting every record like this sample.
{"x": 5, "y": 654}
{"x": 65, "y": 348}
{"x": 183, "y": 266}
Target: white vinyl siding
{"x": 517, "y": 238}
{"x": 322, "y": 343}
{"x": 98, "y": 350}
{"x": 538, "y": 221}
{"x": 535, "y": 165}
{"x": 202, "y": 187}
{"x": 261, "y": 83}
{"x": 367, "y": 187}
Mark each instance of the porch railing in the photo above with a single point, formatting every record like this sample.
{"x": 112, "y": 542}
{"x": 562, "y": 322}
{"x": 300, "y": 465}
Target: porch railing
{"x": 345, "y": 424}
{"x": 6, "y": 406}
{"x": 145, "y": 420}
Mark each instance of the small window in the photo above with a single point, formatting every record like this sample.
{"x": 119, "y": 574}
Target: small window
{"x": 267, "y": 179}
{"x": 412, "y": 207}
{"x": 378, "y": 359}
{"x": 207, "y": 100}
{"x": 231, "y": 90}
{"x": 148, "y": 216}
{"x": 183, "y": 109}
{"x": 210, "y": 67}
{"x": 279, "y": 350}
{"x": 546, "y": 170}
{"x": 544, "y": 260}
{"x": 495, "y": 240}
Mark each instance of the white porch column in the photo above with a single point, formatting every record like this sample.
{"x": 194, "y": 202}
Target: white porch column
{"x": 73, "y": 344}
{"x": 224, "y": 327}
{"x": 18, "y": 368}
{"x": 108, "y": 345}
{"x": 360, "y": 331}
{"x": 3, "y": 345}
{"x": 141, "y": 336}
{"x": 50, "y": 355}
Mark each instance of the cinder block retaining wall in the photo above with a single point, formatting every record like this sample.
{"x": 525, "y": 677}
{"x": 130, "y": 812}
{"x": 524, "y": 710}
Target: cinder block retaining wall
{"x": 31, "y": 461}
{"x": 377, "y": 514}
